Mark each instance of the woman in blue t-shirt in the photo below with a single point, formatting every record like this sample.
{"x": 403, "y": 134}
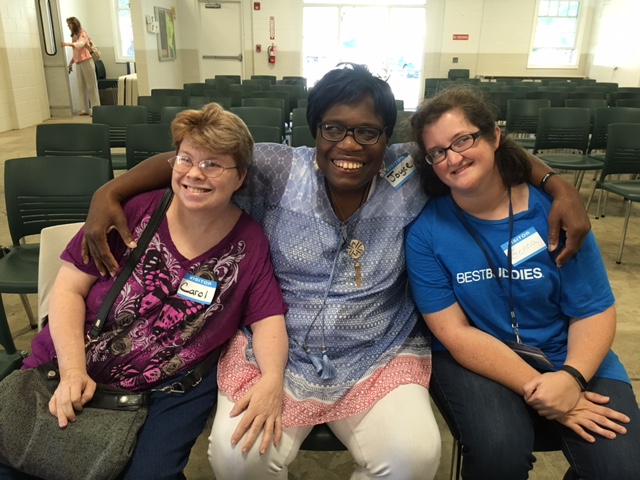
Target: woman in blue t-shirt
{"x": 522, "y": 344}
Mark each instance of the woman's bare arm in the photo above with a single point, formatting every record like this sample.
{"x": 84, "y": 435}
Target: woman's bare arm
{"x": 105, "y": 212}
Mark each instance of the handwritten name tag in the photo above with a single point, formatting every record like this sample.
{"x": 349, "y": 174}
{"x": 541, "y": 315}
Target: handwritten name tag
{"x": 197, "y": 289}
{"x": 401, "y": 170}
{"x": 524, "y": 246}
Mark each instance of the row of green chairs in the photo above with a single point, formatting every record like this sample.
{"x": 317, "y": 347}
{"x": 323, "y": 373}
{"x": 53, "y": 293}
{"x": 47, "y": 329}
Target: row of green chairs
{"x": 92, "y": 140}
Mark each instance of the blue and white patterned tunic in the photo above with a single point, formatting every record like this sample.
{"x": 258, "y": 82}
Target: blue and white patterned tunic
{"x": 373, "y": 335}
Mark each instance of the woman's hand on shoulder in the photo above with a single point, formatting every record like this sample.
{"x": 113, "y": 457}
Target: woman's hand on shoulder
{"x": 105, "y": 214}
{"x": 552, "y": 394}
{"x": 567, "y": 216}
{"x": 262, "y": 407}
{"x": 590, "y": 416}
{"x": 76, "y": 388}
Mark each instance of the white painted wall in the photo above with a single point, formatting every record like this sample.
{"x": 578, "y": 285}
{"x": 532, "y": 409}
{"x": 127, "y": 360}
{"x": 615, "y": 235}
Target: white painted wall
{"x": 23, "y": 93}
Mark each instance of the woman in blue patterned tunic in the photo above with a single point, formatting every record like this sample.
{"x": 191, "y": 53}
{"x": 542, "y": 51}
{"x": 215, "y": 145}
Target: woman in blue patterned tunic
{"x": 359, "y": 360}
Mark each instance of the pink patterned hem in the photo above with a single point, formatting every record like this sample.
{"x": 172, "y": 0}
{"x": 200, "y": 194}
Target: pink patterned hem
{"x": 236, "y": 375}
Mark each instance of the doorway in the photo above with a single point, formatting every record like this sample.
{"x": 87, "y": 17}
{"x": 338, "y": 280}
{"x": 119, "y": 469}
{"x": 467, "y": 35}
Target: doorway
{"x": 220, "y": 50}
{"x": 388, "y": 39}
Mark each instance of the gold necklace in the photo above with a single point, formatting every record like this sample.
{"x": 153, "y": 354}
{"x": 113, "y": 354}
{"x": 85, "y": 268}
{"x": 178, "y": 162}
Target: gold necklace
{"x": 356, "y": 248}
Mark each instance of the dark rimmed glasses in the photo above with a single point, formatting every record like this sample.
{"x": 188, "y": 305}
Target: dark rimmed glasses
{"x": 211, "y": 169}
{"x": 335, "y": 132}
{"x": 459, "y": 145}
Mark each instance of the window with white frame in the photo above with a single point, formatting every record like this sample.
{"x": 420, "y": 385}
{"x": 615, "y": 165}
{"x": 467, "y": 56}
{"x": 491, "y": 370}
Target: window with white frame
{"x": 123, "y": 31}
{"x": 556, "y": 33}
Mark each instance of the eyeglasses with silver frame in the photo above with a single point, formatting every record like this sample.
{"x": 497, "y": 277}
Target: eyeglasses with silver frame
{"x": 335, "y": 132}
{"x": 459, "y": 145}
{"x": 211, "y": 169}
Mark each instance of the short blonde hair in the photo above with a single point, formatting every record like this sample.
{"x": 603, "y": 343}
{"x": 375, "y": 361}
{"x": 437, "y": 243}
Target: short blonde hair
{"x": 217, "y": 130}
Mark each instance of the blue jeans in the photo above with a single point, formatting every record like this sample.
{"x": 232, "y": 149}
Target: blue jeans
{"x": 497, "y": 427}
{"x": 174, "y": 423}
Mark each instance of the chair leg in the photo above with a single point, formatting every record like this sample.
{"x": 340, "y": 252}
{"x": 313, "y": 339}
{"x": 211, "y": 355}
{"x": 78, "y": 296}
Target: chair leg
{"x": 27, "y": 308}
{"x": 580, "y": 176}
{"x": 10, "y": 358}
{"x": 593, "y": 192}
{"x": 456, "y": 460}
{"x": 624, "y": 229}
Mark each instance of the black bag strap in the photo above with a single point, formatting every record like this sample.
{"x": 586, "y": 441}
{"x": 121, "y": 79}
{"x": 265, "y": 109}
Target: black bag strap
{"x": 132, "y": 261}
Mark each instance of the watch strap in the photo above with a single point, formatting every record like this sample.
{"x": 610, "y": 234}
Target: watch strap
{"x": 577, "y": 375}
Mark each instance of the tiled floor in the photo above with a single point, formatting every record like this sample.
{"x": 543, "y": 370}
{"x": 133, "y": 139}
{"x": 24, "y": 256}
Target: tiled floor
{"x": 338, "y": 466}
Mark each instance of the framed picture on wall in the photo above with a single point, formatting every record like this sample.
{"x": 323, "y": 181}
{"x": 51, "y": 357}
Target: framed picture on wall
{"x": 166, "y": 35}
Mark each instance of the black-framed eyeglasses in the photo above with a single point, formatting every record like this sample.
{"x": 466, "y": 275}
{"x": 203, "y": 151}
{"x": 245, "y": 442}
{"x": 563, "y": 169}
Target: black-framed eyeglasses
{"x": 211, "y": 169}
{"x": 335, "y": 132}
{"x": 459, "y": 145}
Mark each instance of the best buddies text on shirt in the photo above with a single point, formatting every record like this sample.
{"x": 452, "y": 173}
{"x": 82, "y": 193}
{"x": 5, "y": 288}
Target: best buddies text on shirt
{"x": 523, "y": 246}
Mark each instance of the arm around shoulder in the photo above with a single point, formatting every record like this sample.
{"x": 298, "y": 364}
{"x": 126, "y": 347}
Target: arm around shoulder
{"x": 106, "y": 214}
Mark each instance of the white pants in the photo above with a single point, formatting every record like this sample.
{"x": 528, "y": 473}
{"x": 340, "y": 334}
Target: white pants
{"x": 87, "y": 85}
{"x": 396, "y": 439}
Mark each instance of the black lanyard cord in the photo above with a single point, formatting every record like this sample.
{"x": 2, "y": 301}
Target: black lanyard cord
{"x": 494, "y": 270}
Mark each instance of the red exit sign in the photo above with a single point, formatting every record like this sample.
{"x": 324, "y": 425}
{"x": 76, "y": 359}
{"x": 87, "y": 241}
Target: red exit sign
{"x": 461, "y": 36}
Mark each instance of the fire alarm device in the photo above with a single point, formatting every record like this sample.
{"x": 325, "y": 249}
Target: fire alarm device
{"x": 256, "y": 5}
{"x": 258, "y": 48}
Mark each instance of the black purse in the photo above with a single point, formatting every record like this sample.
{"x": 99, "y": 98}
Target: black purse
{"x": 98, "y": 445}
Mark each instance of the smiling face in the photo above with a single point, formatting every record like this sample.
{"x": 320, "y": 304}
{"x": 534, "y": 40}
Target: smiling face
{"x": 347, "y": 165}
{"x": 195, "y": 191}
{"x": 471, "y": 169}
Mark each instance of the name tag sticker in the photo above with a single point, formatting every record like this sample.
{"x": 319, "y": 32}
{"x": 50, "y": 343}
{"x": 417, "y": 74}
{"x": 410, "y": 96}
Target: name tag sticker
{"x": 401, "y": 170}
{"x": 197, "y": 289}
{"x": 524, "y": 246}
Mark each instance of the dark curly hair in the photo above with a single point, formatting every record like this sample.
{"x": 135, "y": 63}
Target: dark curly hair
{"x": 511, "y": 159}
{"x": 349, "y": 85}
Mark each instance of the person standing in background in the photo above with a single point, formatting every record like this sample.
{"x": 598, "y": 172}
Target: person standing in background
{"x": 87, "y": 82}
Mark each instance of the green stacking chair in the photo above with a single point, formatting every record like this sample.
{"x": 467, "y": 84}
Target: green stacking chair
{"x": 155, "y": 103}
{"x": 222, "y": 100}
{"x": 271, "y": 78}
{"x": 522, "y": 119}
{"x": 198, "y": 89}
{"x": 602, "y": 118}
{"x": 299, "y": 117}
{"x": 275, "y": 94}
{"x": 174, "y": 92}
{"x": 266, "y": 102}
{"x": 565, "y": 128}
{"x": 556, "y": 97}
{"x": 265, "y": 133}
{"x": 73, "y": 139}
{"x": 118, "y": 117}
{"x": 302, "y": 136}
{"x": 40, "y": 192}
{"x": 293, "y": 80}
{"x": 591, "y": 103}
{"x": 167, "y": 114}
{"x": 245, "y": 89}
{"x": 260, "y": 116}
{"x": 622, "y": 157}
{"x": 144, "y": 141}
{"x": 402, "y": 130}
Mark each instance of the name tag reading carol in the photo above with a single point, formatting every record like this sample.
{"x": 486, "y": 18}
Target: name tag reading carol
{"x": 197, "y": 289}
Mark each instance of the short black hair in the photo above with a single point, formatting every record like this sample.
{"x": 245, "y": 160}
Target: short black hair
{"x": 349, "y": 85}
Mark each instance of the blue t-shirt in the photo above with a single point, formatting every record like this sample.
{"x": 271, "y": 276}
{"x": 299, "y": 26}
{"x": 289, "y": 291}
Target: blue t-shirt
{"x": 445, "y": 265}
